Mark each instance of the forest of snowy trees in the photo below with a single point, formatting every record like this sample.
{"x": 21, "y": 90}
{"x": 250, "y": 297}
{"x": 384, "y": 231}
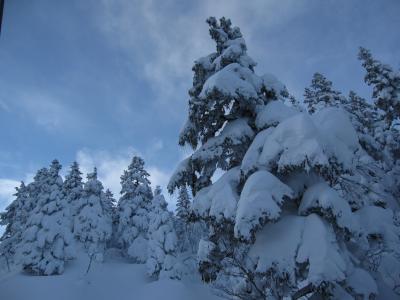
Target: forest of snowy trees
{"x": 280, "y": 197}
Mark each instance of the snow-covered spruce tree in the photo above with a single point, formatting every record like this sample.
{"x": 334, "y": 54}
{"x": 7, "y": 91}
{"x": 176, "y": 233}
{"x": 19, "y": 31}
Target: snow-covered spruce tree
{"x": 372, "y": 183}
{"x": 184, "y": 228}
{"x": 110, "y": 205}
{"x": 222, "y": 106}
{"x": 278, "y": 227}
{"x": 370, "y": 189}
{"x": 73, "y": 187}
{"x": 365, "y": 183}
{"x": 47, "y": 241}
{"x": 162, "y": 245}
{"x": 385, "y": 83}
{"x": 320, "y": 94}
{"x": 93, "y": 222}
{"x": 386, "y": 95}
{"x": 183, "y": 205}
{"x": 14, "y": 219}
{"x": 225, "y": 98}
{"x": 133, "y": 210}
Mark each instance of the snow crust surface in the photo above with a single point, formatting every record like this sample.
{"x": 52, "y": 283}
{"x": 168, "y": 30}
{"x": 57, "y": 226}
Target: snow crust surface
{"x": 261, "y": 199}
{"x": 113, "y": 279}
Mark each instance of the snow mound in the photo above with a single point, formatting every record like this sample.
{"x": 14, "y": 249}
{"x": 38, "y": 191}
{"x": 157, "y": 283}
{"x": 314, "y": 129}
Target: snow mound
{"x": 276, "y": 246}
{"x": 235, "y": 133}
{"x": 378, "y": 221}
{"x": 250, "y": 159}
{"x": 260, "y": 201}
{"x": 305, "y": 142}
{"x": 361, "y": 283}
{"x": 336, "y": 127}
{"x": 113, "y": 279}
{"x": 323, "y": 199}
{"x": 219, "y": 200}
{"x": 280, "y": 247}
{"x": 325, "y": 261}
{"x": 273, "y": 84}
{"x": 233, "y": 80}
{"x": 294, "y": 142}
{"x": 274, "y": 113}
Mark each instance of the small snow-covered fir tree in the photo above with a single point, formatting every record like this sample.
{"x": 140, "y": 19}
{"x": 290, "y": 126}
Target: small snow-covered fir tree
{"x": 73, "y": 187}
{"x": 14, "y": 219}
{"x": 47, "y": 241}
{"x": 386, "y": 85}
{"x": 183, "y": 205}
{"x": 93, "y": 222}
{"x": 321, "y": 94}
{"x": 162, "y": 246}
{"x": 110, "y": 205}
{"x": 133, "y": 210}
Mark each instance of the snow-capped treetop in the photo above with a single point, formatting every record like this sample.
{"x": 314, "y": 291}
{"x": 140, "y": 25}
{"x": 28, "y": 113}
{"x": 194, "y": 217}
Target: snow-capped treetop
{"x": 110, "y": 198}
{"x": 362, "y": 112}
{"x": 15, "y": 207}
{"x": 93, "y": 185}
{"x": 223, "y": 32}
{"x": 321, "y": 94}
{"x": 73, "y": 179}
{"x": 385, "y": 83}
{"x": 73, "y": 186}
{"x": 135, "y": 180}
{"x": 55, "y": 167}
{"x": 183, "y": 204}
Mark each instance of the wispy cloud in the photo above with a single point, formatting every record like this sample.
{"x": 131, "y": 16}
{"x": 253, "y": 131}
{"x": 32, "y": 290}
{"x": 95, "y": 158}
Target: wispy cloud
{"x": 49, "y": 110}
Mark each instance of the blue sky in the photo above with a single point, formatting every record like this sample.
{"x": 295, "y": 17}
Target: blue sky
{"x": 99, "y": 81}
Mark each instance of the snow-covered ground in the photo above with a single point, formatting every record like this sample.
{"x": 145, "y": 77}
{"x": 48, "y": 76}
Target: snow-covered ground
{"x": 114, "y": 279}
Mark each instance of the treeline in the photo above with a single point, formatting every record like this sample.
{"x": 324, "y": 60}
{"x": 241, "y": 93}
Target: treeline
{"x": 51, "y": 221}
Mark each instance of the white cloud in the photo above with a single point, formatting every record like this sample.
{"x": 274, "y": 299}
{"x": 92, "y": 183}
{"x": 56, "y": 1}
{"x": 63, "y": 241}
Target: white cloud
{"x": 48, "y": 110}
{"x": 164, "y": 38}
